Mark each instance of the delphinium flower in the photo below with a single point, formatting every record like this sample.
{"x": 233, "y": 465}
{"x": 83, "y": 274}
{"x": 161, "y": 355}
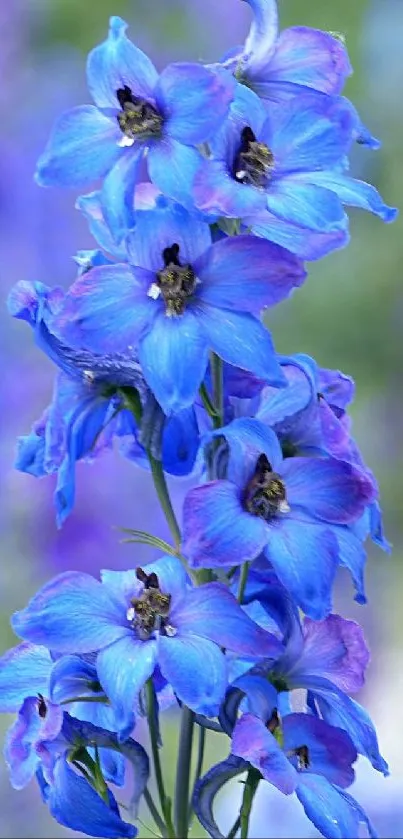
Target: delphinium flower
{"x": 160, "y": 346}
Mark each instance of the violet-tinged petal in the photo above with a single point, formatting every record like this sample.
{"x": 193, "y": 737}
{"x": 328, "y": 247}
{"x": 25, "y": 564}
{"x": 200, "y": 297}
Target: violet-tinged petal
{"x": 334, "y": 648}
{"x": 123, "y": 668}
{"x": 212, "y": 612}
{"x": 24, "y": 670}
{"x": 32, "y": 726}
{"x": 247, "y": 273}
{"x": 73, "y": 613}
{"x": 216, "y": 192}
{"x": 209, "y": 786}
{"x": 240, "y": 339}
{"x": 82, "y": 148}
{"x": 107, "y": 309}
{"x": 248, "y": 438}
{"x": 252, "y": 741}
{"x": 352, "y": 555}
{"x": 173, "y": 356}
{"x": 326, "y": 807}
{"x": 75, "y": 804}
{"x": 331, "y": 751}
{"x": 304, "y": 557}
{"x": 194, "y": 100}
{"x": 116, "y": 63}
{"x": 306, "y": 56}
{"x": 195, "y": 667}
{"x": 328, "y": 489}
{"x": 216, "y": 530}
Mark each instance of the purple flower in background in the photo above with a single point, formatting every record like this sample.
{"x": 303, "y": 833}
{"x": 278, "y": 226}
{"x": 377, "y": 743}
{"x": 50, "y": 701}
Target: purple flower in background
{"x": 138, "y": 619}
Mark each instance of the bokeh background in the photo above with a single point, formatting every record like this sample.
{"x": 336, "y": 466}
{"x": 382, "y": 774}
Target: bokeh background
{"x": 349, "y": 315}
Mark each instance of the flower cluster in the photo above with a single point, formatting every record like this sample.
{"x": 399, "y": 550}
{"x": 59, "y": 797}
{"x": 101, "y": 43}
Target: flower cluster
{"x": 161, "y": 348}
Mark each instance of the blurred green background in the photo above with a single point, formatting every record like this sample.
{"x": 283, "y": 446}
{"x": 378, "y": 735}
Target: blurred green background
{"x": 349, "y": 316}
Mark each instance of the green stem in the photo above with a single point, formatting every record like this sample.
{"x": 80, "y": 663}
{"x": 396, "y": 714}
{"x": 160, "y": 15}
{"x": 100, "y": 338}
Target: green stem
{"x": 216, "y": 366}
{"x": 154, "y": 812}
{"x": 183, "y": 773}
{"x": 199, "y": 764}
{"x": 242, "y": 581}
{"x": 251, "y": 785}
{"x": 234, "y": 829}
{"x": 164, "y": 498}
{"x": 152, "y": 725}
{"x": 204, "y": 395}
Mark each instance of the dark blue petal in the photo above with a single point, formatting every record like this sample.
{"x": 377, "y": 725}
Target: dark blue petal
{"x": 352, "y": 556}
{"x": 247, "y": 273}
{"x": 195, "y": 101}
{"x": 116, "y": 63}
{"x": 173, "y": 356}
{"x": 107, "y": 309}
{"x": 159, "y": 228}
{"x": 83, "y": 147}
{"x": 76, "y": 805}
{"x": 252, "y": 741}
{"x": 207, "y": 788}
{"x": 24, "y": 671}
{"x": 212, "y": 612}
{"x": 72, "y": 613}
{"x": 241, "y": 340}
{"x": 331, "y": 751}
{"x": 328, "y": 489}
{"x": 72, "y": 676}
{"x": 172, "y": 168}
{"x": 216, "y": 530}
{"x": 196, "y": 668}
{"x": 123, "y": 668}
{"x": 261, "y": 696}
{"x": 304, "y": 557}
{"x": 180, "y": 442}
{"x": 327, "y": 808}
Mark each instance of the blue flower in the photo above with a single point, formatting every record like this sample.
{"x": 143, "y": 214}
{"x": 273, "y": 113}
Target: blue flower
{"x": 290, "y": 509}
{"x": 283, "y": 174}
{"x": 179, "y": 297}
{"x": 136, "y": 111}
{"x": 136, "y": 620}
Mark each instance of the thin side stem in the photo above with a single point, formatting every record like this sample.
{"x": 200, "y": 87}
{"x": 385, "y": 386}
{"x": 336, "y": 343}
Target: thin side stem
{"x": 199, "y": 764}
{"x": 216, "y": 366}
{"x": 154, "y": 812}
{"x": 164, "y": 497}
{"x": 251, "y": 785}
{"x": 151, "y": 715}
{"x": 234, "y": 829}
{"x": 181, "y": 811}
{"x": 242, "y": 581}
{"x": 204, "y": 395}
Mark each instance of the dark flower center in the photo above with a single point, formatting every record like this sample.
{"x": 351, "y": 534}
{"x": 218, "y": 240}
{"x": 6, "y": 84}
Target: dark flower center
{"x": 274, "y": 722}
{"x": 254, "y": 161}
{"x": 138, "y": 118}
{"x": 265, "y": 494}
{"x": 175, "y": 282}
{"x": 302, "y": 755}
{"x": 42, "y": 707}
{"x": 149, "y": 612}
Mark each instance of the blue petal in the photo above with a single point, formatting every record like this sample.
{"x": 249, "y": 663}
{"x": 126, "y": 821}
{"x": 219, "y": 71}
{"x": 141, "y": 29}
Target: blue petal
{"x": 361, "y": 815}
{"x": 331, "y": 751}
{"x": 159, "y": 228}
{"x": 171, "y": 576}
{"x": 307, "y": 205}
{"x": 72, "y": 676}
{"x": 195, "y": 101}
{"x": 207, "y": 788}
{"x": 217, "y": 531}
{"x": 352, "y": 556}
{"x": 311, "y": 133}
{"x": 24, "y": 671}
{"x": 123, "y": 668}
{"x": 180, "y": 442}
{"x": 306, "y": 56}
{"x": 173, "y": 356}
{"x": 262, "y": 36}
{"x": 211, "y": 611}
{"x": 31, "y": 454}
{"x": 172, "y": 168}
{"x": 252, "y": 741}
{"x": 197, "y": 670}
{"x": 113, "y": 763}
{"x": 117, "y": 194}
{"x": 216, "y": 192}
{"x": 247, "y": 273}
{"x": 261, "y": 696}
{"x": 353, "y": 192}
{"x": 76, "y": 805}
{"x": 327, "y": 808}
{"x": 248, "y": 438}
{"x": 241, "y": 340}
{"x": 279, "y": 407}
{"x": 91, "y": 207}
{"x": 340, "y": 710}
{"x": 307, "y": 244}
{"x": 304, "y": 557}
{"x": 328, "y": 489}
{"x": 107, "y": 309}
{"x": 82, "y": 148}
{"x": 116, "y": 63}
{"x": 26, "y": 735}
{"x": 73, "y": 613}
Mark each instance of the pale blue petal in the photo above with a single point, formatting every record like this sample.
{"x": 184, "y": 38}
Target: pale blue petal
{"x": 304, "y": 204}
{"x": 195, "y": 101}
{"x": 117, "y": 194}
{"x": 353, "y": 192}
{"x": 172, "y": 168}
{"x": 160, "y": 228}
{"x": 123, "y": 668}
{"x": 326, "y": 808}
{"x": 307, "y": 244}
{"x": 197, "y": 670}
{"x": 24, "y": 670}
{"x": 261, "y": 40}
